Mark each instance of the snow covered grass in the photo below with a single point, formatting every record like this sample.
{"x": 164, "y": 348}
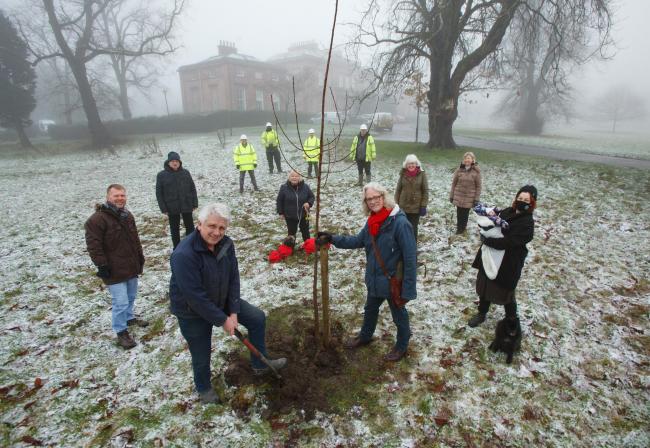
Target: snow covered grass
{"x": 635, "y": 145}
{"x": 581, "y": 379}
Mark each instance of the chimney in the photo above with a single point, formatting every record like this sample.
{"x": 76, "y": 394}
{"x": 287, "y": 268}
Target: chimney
{"x": 226, "y": 48}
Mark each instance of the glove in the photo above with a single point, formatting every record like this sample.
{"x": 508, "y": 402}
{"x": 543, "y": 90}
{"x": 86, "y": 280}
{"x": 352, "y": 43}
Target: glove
{"x": 103, "y": 271}
{"x": 323, "y": 238}
{"x": 254, "y": 165}
{"x": 237, "y": 166}
{"x": 451, "y": 200}
{"x": 423, "y": 211}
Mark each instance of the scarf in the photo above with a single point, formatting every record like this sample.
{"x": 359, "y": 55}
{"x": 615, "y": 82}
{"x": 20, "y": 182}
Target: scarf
{"x": 375, "y": 220}
{"x": 121, "y": 212}
{"x": 413, "y": 173}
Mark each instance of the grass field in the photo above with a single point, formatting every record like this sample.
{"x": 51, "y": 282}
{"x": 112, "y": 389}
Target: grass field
{"x": 582, "y": 377}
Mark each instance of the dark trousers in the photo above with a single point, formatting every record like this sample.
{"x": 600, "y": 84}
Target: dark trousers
{"x": 242, "y": 175}
{"x": 273, "y": 153}
{"x": 292, "y": 227}
{"x": 198, "y": 334}
{"x": 462, "y": 216}
{"x": 175, "y": 223}
{"x": 510, "y": 308}
{"x": 362, "y": 166}
{"x": 400, "y": 319}
{"x": 414, "y": 219}
{"x": 311, "y": 165}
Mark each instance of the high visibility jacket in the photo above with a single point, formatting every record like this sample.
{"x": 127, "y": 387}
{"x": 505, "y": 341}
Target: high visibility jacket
{"x": 311, "y": 149}
{"x": 371, "y": 152}
{"x": 270, "y": 138}
{"x": 245, "y": 157}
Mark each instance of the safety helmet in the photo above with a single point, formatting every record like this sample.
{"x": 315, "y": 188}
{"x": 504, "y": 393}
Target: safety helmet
{"x": 363, "y": 127}
{"x": 311, "y": 131}
{"x": 268, "y": 124}
{"x": 243, "y": 137}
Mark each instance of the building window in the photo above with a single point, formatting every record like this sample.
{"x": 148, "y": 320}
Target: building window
{"x": 276, "y": 101}
{"x": 195, "y": 99}
{"x": 259, "y": 99}
{"x": 258, "y": 75}
{"x": 214, "y": 97}
{"x": 212, "y": 74}
{"x": 275, "y": 78}
{"x": 240, "y": 73}
{"x": 241, "y": 98}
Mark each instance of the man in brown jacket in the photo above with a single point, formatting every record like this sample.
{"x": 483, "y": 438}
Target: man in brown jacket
{"x": 114, "y": 247}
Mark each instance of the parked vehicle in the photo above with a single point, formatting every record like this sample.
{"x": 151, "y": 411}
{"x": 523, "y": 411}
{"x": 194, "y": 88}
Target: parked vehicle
{"x": 381, "y": 121}
{"x": 330, "y": 118}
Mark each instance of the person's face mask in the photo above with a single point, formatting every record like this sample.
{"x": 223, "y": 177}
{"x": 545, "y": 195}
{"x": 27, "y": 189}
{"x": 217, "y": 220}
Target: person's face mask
{"x": 522, "y": 206}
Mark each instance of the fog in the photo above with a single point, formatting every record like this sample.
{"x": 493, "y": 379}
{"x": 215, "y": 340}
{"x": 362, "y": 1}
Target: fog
{"x": 264, "y": 28}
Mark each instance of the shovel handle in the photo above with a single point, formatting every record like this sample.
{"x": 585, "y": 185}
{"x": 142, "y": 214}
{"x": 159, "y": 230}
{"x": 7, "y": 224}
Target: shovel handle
{"x": 247, "y": 343}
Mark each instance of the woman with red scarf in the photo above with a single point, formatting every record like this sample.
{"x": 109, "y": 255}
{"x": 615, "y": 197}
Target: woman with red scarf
{"x": 412, "y": 191}
{"x": 388, "y": 240}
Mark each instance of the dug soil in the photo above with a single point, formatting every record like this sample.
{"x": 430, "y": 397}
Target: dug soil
{"x": 326, "y": 379}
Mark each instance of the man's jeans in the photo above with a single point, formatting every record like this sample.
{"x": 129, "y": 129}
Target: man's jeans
{"x": 400, "y": 318}
{"x": 198, "y": 334}
{"x": 123, "y": 298}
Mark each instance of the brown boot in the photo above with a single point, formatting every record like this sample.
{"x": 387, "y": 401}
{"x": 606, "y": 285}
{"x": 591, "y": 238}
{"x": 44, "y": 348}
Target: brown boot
{"x": 356, "y": 342}
{"x": 395, "y": 355}
{"x": 137, "y": 322}
{"x": 125, "y": 340}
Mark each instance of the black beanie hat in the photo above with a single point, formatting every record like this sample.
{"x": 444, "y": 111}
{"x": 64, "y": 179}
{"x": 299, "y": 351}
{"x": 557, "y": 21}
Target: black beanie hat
{"x": 173, "y": 156}
{"x": 528, "y": 189}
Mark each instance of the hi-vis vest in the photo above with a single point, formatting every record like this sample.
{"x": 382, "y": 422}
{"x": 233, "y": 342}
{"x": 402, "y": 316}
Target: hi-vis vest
{"x": 245, "y": 157}
{"x": 270, "y": 138}
{"x": 371, "y": 152}
{"x": 312, "y": 149}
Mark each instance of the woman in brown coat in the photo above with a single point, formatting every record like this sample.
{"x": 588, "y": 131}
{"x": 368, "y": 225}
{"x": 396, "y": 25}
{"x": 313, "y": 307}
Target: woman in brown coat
{"x": 465, "y": 189}
{"x": 412, "y": 191}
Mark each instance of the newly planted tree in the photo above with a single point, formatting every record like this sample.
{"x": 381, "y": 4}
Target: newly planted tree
{"x": 17, "y": 81}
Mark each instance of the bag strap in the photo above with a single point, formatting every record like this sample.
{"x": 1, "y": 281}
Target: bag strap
{"x": 378, "y": 257}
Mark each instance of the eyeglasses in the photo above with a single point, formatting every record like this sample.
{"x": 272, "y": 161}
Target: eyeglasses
{"x": 373, "y": 199}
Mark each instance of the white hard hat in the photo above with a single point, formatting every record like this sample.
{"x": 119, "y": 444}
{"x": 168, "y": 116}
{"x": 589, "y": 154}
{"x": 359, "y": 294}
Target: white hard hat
{"x": 311, "y": 131}
{"x": 363, "y": 127}
{"x": 268, "y": 124}
{"x": 243, "y": 137}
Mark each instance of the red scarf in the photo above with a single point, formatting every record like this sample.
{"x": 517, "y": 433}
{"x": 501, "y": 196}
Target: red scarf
{"x": 375, "y": 220}
{"x": 413, "y": 173}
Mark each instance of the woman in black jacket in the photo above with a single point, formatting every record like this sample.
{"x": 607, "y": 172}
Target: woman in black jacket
{"x": 295, "y": 198}
{"x": 520, "y": 231}
{"x": 176, "y": 194}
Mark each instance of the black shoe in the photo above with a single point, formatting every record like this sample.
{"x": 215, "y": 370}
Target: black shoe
{"x": 356, "y": 342}
{"x": 277, "y": 364}
{"x": 476, "y": 320}
{"x": 394, "y": 355}
{"x": 125, "y": 340}
{"x": 137, "y": 322}
{"x": 209, "y": 397}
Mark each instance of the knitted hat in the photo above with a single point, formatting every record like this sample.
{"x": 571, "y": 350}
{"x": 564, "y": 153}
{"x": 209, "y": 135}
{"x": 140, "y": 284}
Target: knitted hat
{"x": 528, "y": 189}
{"x": 173, "y": 156}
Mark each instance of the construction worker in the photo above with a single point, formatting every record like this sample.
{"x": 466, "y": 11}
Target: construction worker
{"x": 271, "y": 142}
{"x": 311, "y": 152}
{"x": 245, "y": 160}
{"x": 363, "y": 152}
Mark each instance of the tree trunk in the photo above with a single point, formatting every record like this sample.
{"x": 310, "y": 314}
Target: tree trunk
{"x": 441, "y": 121}
{"x": 22, "y": 136}
{"x": 98, "y": 133}
{"x": 124, "y": 100}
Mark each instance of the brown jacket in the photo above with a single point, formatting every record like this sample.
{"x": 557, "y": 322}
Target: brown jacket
{"x": 466, "y": 186}
{"x": 114, "y": 242}
{"x": 412, "y": 193}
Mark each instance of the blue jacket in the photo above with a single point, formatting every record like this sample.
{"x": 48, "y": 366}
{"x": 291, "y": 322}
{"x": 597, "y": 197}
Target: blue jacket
{"x": 395, "y": 242}
{"x": 204, "y": 284}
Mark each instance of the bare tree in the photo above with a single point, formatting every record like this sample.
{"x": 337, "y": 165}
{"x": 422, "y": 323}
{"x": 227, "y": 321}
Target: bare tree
{"x": 454, "y": 42}
{"x": 70, "y": 30}
{"x": 540, "y": 55}
{"x": 619, "y": 103}
{"x": 135, "y": 25}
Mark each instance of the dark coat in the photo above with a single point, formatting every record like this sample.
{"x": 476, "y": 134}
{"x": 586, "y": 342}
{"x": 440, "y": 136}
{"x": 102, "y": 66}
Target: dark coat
{"x": 175, "y": 190}
{"x": 114, "y": 242}
{"x": 395, "y": 242}
{"x": 204, "y": 284}
{"x": 466, "y": 186}
{"x": 412, "y": 192}
{"x": 515, "y": 237}
{"x": 290, "y": 199}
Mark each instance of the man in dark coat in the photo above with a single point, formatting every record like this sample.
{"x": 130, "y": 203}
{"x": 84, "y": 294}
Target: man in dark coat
{"x": 204, "y": 292}
{"x": 294, "y": 200}
{"x": 176, "y": 194}
{"x": 114, "y": 247}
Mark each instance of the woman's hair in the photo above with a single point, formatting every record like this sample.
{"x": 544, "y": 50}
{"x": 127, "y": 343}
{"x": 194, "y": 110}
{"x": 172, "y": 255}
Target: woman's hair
{"x": 215, "y": 209}
{"x": 532, "y": 191}
{"x": 389, "y": 202}
{"x": 411, "y": 158}
{"x": 471, "y": 154}
{"x": 293, "y": 171}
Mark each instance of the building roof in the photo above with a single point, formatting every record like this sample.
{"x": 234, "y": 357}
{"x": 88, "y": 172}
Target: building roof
{"x": 223, "y": 57}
